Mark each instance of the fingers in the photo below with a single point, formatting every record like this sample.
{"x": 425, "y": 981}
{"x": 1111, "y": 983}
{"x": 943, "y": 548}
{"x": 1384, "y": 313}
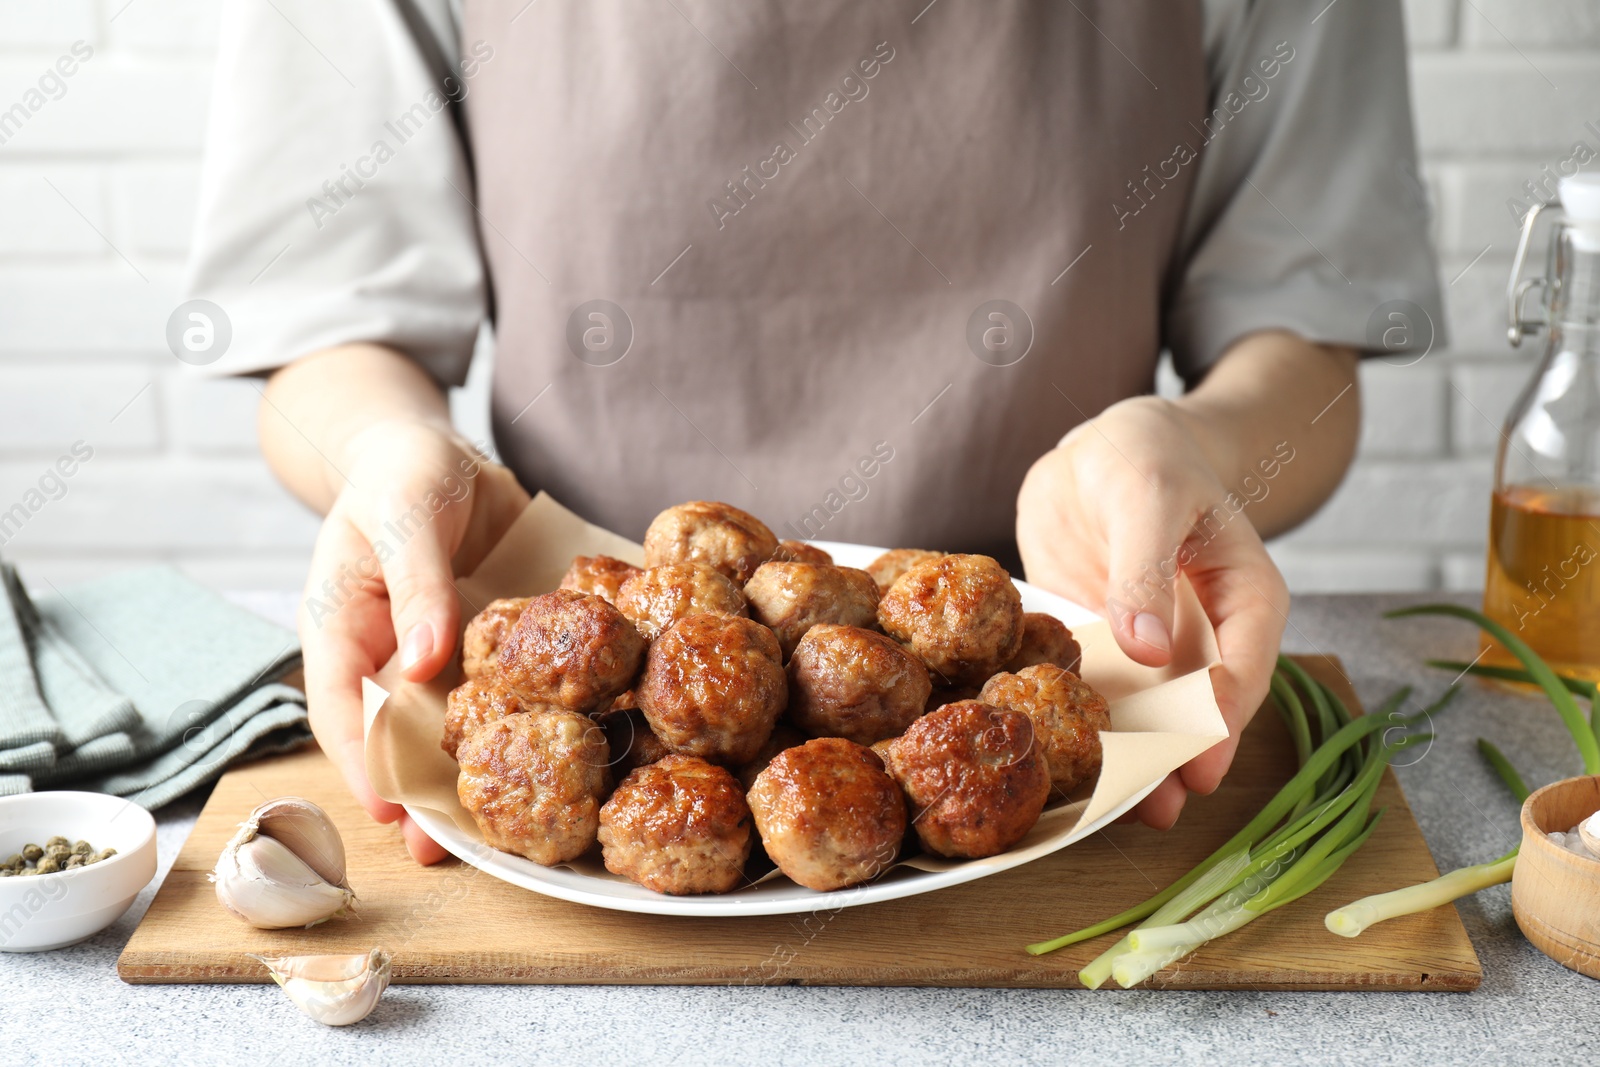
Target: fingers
{"x": 343, "y": 638}
{"x": 1143, "y": 541}
{"x": 423, "y": 848}
{"x": 381, "y": 584}
{"x": 1248, "y": 603}
{"x": 1161, "y": 808}
{"x": 423, "y": 604}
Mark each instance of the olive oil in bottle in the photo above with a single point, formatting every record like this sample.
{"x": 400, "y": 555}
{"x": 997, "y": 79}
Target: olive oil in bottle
{"x": 1543, "y": 581}
{"x": 1543, "y": 575}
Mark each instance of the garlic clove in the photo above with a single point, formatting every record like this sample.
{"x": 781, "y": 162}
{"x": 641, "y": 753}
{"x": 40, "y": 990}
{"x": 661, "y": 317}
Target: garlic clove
{"x": 262, "y": 882}
{"x": 333, "y": 990}
{"x": 308, "y": 832}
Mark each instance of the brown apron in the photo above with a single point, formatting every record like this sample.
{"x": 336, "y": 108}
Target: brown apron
{"x": 850, "y": 272}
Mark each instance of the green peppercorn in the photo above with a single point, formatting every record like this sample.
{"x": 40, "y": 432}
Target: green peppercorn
{"x": 58, "y": 840}
{"x": 31, "y": 853}
{"x": 74, "y": 861}
{"x": 106, "y": 854}
{"x": 82, "y": 848}
{"x": 48, "y": 865}
{"x": 7, "y": 872}
{"x": 14, "y": 862}
{"x": 27, "y": 872}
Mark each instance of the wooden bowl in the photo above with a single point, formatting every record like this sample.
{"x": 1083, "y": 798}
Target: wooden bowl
{"x": 1555, "y": 894}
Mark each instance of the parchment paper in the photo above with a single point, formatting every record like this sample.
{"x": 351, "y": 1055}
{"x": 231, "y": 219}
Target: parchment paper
{"x": 1160, "y": 717}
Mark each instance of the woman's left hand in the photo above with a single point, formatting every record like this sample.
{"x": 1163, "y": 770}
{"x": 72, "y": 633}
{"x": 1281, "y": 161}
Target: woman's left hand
{"x": 1121, "y": 500}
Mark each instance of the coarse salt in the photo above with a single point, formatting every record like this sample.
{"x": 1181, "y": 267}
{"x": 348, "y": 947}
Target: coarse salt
{"x": 1572, "y": 841}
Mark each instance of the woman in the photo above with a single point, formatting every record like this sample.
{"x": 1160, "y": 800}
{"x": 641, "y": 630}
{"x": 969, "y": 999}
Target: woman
{"x": 751, "y": 252}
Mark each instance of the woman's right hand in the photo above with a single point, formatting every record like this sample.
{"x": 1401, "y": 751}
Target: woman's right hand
{"x": 418, "y": 506}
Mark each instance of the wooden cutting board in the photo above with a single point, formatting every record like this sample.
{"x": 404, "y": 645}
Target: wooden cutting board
{"x": 452, "y": 923}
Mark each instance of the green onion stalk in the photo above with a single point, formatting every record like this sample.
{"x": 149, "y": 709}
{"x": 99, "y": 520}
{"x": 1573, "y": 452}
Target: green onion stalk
{"x": 1157, "y": 947}
{"x": 1353, "y": 918}
{"x": 1502, "y": 766}
{"x": 1560, "y": 692}
{"x": 1293, "y": 844}
{"x": 1320, "y": 763}
{"x": 1579, "y": 686}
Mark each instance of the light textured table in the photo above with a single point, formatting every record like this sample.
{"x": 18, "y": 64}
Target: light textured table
{"x": 1529, "y": 1010}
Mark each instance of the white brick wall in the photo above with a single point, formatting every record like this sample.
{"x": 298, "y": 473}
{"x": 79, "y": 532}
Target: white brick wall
{"x": 1502, "y": 88}
{"x": 99, "y": 193}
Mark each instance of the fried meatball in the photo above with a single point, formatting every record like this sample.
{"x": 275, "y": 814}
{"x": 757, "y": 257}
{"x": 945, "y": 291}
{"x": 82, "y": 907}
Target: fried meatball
{"x": 713, "y": 687}
{"x": 827, "y": 813}
{"x": 718, "y": 535}
{"x": 800, "y": 552}
{"x": 631, "y": 743}
{"x": 486, "y": 632}
{"x": 533, "y": 784}
{"x": 960, "y": 614}
{"x": 1067, "y": 717}
{"x": 655, "y": 598}
{"x": 793, "y": 597}
{"x": 895, "y": 562}
{"x": 600, "y": 575}
{"x": 628, "y": 701}
{"x": 949, "y": 694}
{"x": 1045, "y": 639}
{"x": 853, "y": 683}
{"x": 571, "y": 649}
{"x": 975, "y": 778}
{"x": 679, "y": 825}
{"x": 783, "y": 736}
{"x": 476, "y": 702}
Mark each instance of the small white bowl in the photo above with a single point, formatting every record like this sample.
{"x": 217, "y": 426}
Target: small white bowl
{"x": 49, "y": 911}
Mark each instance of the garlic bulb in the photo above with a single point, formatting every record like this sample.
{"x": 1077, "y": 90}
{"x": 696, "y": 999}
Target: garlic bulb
{"x": 334, "y": 990}
{"x": 285, "y": 867}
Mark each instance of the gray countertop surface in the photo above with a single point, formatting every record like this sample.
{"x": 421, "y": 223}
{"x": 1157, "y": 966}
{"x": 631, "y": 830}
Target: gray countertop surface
{"x": 1528, "y": 1010}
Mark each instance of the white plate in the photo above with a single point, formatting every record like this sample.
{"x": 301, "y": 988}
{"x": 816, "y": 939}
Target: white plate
{"x": 775, "y": 896}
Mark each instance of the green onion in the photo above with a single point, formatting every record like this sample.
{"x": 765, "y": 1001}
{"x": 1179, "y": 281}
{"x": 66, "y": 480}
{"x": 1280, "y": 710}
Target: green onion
{"x": 1318, "y": 694}
{"x": 1351, "y": 919}
{"x": 1580, "y": 686}
{"x": 1294, "y": 844}
{"x": 1344, "y": 830}
{"x": 1294, "y": 717}
{"x": 1327, "y": 867}
{"x": 1208, "y": 886}
{"x": 1158, "y": 947}
{"x": 1427, "y": 713}
{"x": 1502, "y": 766}
{"x": 1270, "y": 816}
{"x": 1583, "y": 732}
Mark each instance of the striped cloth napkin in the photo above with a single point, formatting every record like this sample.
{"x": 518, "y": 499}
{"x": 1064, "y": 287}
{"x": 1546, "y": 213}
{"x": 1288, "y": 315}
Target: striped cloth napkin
{"x": 144, "y": 685}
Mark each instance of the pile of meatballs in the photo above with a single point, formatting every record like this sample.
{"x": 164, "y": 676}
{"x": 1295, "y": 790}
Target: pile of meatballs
{"x": 739, "y": 683}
